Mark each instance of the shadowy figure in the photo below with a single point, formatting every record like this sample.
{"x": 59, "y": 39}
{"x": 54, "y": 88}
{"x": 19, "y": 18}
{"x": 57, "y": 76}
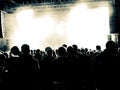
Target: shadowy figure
{"x": 105, "y": 67}
{"x": 46, "y": 72}
{"x": 38, "y": 55}
{"x": 98, "y": 49}
{"x": 11, "y": 64}
{"x": 13, "y": 59}
{"x": 66, "y": 69}
{"x": 29, "y": 64}
{"x": 28, "y": 68}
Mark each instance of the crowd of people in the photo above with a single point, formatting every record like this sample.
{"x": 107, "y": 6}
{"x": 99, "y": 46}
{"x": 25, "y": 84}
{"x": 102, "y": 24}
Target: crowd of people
{"x": 66, "y": 68}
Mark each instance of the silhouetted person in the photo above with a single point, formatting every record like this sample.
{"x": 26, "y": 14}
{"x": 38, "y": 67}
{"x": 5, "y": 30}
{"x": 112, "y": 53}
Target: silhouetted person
{"x": 46, "y": 68}
{"x": 28, "y": 68}
{"x": 61, "y": 67}
{"x": 98, "y": 49}
{"x": 13, "y": 59}
{"x": 105, "y": 67}
{"x": 64, "y": 45}
{"x": 29, "y": 64}
{"x": 11, "y": 65}
{"x": 74, "y": 71}
{"x": 38, "y": 55}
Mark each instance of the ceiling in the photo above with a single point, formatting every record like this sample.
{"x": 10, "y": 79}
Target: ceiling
{"x": 6, "y": 5}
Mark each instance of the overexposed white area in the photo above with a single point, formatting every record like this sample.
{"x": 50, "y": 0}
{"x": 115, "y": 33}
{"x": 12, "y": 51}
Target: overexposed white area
{"x": 83, "y": 24}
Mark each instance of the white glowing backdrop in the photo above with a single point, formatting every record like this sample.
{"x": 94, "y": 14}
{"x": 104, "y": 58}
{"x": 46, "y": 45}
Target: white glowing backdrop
{"x": 80, "y": 24}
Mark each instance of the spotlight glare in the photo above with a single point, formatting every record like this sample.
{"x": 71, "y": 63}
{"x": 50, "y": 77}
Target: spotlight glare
{"x": 83, "y": 26}
{"x": 88, "y": 27}
{"x": 24, "y": 17}
{"x": 31, "y": 30}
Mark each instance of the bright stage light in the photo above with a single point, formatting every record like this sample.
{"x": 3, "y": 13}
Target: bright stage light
{"x": 84, "y": 26}
{"x": 24, "y": 17}
{"x": 88, "y": 27}
{"x": 22, "y": 32}
{"x": 31, "y": 30}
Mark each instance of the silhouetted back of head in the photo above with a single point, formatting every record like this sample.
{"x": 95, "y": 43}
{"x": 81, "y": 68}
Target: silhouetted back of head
{"x": 62, "y": 51}
{"x": 110, "y": 45}
{"x": 25, "y": 49}
{"x": 75, "y": 47}
{"x": 48, "y": 50}
{"x": 15, "y": 50}
{"x": 70, "y": 50}
{"x": 64, "y": 45}
{"x": 98, "y": 47}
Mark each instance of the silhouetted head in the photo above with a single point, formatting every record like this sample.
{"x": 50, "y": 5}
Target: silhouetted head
{"x": 98, "y": 47}
{"x": 38, "y": 51}
{"x": 70, "y": 50}
{"x": 75, "y": 47}
{"x": 86, "y": 49}
{"x": 15, "y": 50}
{"x": 110, "y": 45}
{"x": 48, "y": 50}
{"x": 62, "y": 51}
{"x": 64, "y": 45}
{"x": 25, "y": 49}
{"x": 82, "y": 50}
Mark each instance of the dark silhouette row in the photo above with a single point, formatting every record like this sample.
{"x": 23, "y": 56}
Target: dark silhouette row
{"x": 67, "y": 68}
